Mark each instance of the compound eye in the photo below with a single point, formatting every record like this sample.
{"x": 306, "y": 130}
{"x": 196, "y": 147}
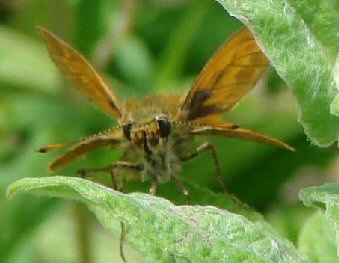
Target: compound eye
{"x": 164, "y": 127}
{"x": 127, "y": 130}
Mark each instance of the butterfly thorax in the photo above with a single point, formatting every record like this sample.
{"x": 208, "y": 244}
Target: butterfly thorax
{"x": 143, "y": 111}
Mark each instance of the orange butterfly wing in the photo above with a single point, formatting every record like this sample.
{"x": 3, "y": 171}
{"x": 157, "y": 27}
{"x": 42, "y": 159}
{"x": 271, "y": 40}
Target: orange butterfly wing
{"x": 81, "y": 74}
{"x": 227, "y": 77}
{"x": 231, "y": 73}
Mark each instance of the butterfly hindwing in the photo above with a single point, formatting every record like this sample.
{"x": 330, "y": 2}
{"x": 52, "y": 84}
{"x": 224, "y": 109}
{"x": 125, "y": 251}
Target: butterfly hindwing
{"x": 79, "y": 148}
{"x": 239, "y": 133}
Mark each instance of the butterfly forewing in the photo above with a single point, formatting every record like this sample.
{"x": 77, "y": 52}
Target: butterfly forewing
{"x": 227, "y": 77}
{"x": 81, "y": 74}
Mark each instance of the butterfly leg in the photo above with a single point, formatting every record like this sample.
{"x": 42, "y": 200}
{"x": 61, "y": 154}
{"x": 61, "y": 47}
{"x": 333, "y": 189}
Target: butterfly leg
{"x": 154, "y": 188}
{"x": 201, "y": 149}
{"x": 111, "y": 169}
{"x": 155, "y": 180}
{"x": 84, "y": 173}
{"x": 182, "y": 188}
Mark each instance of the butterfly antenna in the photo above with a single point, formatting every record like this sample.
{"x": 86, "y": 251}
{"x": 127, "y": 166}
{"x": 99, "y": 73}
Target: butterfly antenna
{"x": 54, "y": 146}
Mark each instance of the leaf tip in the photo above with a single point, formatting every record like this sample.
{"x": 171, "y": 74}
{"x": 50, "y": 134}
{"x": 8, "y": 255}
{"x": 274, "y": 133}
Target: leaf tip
{"x": 10, "y": 192}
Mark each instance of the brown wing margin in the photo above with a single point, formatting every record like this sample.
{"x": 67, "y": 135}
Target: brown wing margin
{"x": 232, "y": 71}
{"x": 83, "y": 146}
{"x": 240, "y": 133}
{"x": 81, "y": 74}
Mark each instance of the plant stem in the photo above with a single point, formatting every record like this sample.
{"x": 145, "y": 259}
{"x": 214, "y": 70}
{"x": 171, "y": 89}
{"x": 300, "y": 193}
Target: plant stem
{"x": 81, "y": 218}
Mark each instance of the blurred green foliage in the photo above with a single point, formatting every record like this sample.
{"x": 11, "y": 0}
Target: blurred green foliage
{"x": 141, "y": 47}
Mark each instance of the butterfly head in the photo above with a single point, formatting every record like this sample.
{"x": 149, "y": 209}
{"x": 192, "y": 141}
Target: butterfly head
{"x": 148, "y": 135}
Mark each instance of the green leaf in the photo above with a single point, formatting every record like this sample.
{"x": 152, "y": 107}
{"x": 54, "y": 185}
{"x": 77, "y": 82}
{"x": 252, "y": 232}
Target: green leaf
{"x": 316, "y": 240}
{"x": 327, "y": 197}
{"x": 334, "y": 107}
{"x": 163, "y": 231}
{"x": 300, "y": 39}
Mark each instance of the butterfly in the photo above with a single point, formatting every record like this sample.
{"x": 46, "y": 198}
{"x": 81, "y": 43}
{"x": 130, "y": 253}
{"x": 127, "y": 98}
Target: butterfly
{"x": 157, "y": 133}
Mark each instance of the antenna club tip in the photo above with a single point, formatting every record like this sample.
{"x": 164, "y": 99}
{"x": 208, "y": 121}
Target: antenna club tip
{"x": 42, "y": 150}
{"x": 50, "y": 147}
